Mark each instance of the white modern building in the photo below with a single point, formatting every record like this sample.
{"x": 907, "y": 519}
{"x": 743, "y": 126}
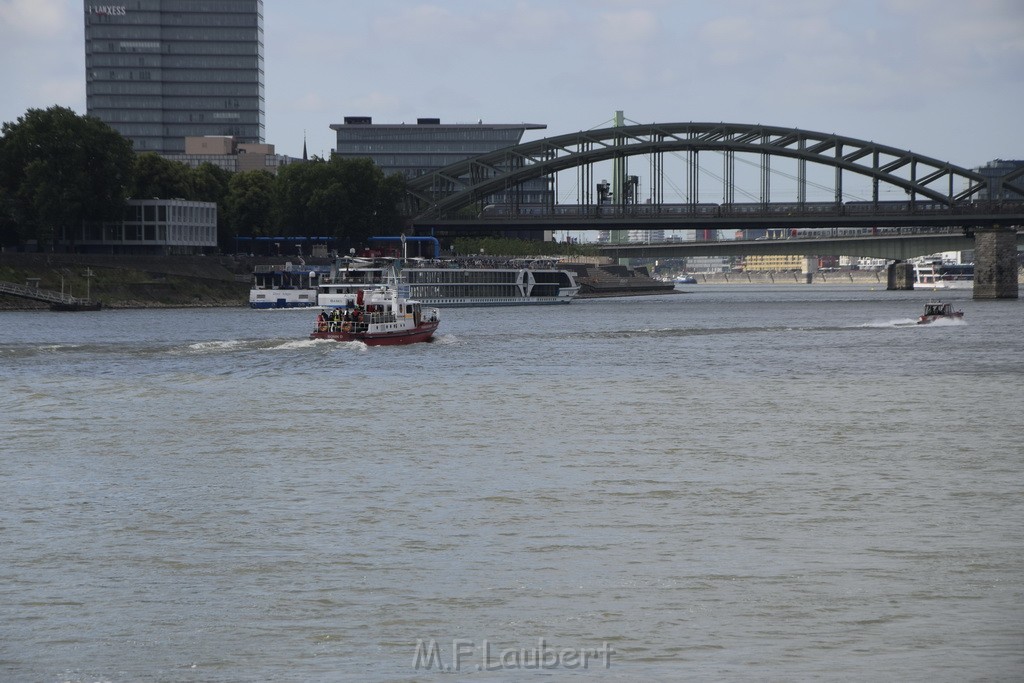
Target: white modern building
{"x": 150, "y": 226}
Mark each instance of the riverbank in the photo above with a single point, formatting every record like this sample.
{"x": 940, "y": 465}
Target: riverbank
{"x": 130, "y": 281}
{"x": 224, "y": 281}
{"x": 216, "y": 281}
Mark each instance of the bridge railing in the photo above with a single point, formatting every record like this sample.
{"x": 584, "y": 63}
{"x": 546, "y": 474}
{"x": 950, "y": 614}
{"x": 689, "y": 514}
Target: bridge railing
{"x": 38, "y": 294}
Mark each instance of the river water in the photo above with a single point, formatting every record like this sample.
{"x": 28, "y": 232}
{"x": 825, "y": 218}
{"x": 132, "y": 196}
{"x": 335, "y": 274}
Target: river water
{"x": 731, "y": 483}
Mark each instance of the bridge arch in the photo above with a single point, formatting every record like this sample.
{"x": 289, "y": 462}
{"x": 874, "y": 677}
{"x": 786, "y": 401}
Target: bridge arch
{"x": 466, "y": 183}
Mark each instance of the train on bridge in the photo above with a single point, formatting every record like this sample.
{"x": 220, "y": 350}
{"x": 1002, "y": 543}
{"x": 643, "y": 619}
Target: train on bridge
{"x": 881, "y": 209}
{"x": 831, "y": 233}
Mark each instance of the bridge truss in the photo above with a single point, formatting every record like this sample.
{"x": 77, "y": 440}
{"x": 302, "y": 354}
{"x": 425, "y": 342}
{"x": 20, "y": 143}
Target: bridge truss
{"x": 450, "y": 191}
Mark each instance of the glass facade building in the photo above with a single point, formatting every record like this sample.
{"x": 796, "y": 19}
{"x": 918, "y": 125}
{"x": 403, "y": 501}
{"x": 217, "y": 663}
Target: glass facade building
{"x": 150, "y": 226}
{"x": 158, "y": 71}
{"x": 427, "y": 145}
{"x": 994, "y": 170}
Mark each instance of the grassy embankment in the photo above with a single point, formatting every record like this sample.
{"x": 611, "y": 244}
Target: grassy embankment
{"x": 128, "y": 282}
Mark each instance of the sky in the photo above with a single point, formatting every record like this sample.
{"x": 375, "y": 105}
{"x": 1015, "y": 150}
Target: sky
{"x": 943, "y": 78}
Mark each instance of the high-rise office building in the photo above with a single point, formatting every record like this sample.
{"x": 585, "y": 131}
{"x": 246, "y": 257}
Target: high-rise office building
{"x": 158, "y": 71}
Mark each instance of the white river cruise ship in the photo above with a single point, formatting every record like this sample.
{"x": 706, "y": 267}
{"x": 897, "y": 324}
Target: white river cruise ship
{"x": 434, "y": 282}
{"x": 459, "y": 282}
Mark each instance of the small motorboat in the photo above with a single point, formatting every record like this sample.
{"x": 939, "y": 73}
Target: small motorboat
{"x": 938, "y": 310}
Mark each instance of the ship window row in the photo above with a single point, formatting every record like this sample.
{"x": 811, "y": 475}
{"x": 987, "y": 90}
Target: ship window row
{"x": 461, "y": 276}
{"x": 473, "y": 290}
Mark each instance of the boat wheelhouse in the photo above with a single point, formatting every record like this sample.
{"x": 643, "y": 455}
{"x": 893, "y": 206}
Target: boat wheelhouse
{"x": 938, "y": 310}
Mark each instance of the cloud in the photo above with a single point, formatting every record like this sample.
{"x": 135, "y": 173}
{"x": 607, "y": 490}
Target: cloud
{"x": 635, "y": 27}
{"x": 42, "y": 50}
{"x": 32, "y": 19}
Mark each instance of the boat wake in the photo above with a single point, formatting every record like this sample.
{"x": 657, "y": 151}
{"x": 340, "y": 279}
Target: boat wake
{"x": 445, "y": 339}
{"x": 712, "y": 331}
{"x": 326, "y": 344}
{"x": 946, "y": 322}
{"x": 246, "y": 345}
{"x": 885, "y": 324}
{"x": 216, "y": 345}
{"x": 293, "y": 344}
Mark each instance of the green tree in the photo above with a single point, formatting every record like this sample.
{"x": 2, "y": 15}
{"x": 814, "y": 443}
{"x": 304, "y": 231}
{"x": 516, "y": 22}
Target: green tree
{"x": 349, "y": 199}
{"x": 210, "y": 184}
{"x": 59, "y": 169}
{"x": 297, "y": 206}
{"x": 158, "y": 178}
{"x": 372, "y": 204}
{"x": 9, "y": 234}
{"x": 249, "y": 204}
{"x": 391, "y": 216}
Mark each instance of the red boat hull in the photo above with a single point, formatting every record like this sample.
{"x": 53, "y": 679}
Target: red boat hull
{"x": 422, "y": 333}
{"x": 925, "y": 319}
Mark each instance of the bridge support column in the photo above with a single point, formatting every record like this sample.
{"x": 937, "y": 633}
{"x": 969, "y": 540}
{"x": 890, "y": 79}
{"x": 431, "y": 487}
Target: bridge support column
{"x": 900, "y": 276}
{"x": 809, "y": 267}
{"x": 995, "y": 263}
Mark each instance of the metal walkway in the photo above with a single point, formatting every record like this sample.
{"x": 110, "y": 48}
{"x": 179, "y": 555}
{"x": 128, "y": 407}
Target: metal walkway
{"x": 57, "y": 300}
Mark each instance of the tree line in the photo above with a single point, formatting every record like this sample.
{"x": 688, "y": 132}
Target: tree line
{"x": 59, "y": 169}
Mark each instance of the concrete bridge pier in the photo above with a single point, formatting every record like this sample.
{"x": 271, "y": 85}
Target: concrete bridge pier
{"x": 995, "y": 263}
{"x": 809, "y": 268}
{"x": 899, "y": 276}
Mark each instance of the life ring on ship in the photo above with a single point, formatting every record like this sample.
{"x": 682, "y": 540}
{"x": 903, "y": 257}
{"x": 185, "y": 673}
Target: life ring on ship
{"x": 321, "y": 326}
{"x": 346, "y": 327}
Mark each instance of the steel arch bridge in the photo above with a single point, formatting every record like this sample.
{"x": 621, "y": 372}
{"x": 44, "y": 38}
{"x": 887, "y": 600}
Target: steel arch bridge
{"x": 443, "y": 194}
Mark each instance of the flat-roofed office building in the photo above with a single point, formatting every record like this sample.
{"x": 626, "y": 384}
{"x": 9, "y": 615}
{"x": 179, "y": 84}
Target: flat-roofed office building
{"x": 150, "y": 226}
{"x": 158, "y": 71}
{"x": 428, "y": 144}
